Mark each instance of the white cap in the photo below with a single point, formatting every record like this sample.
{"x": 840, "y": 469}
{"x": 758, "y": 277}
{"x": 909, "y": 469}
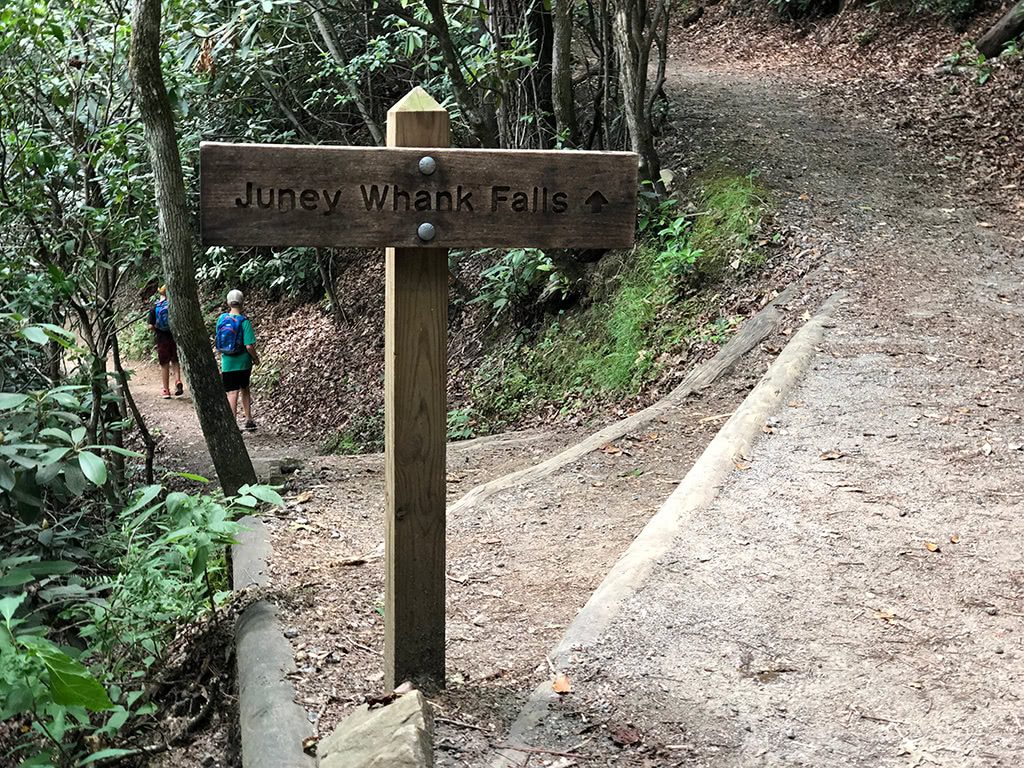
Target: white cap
{"x": 235, "y": 297}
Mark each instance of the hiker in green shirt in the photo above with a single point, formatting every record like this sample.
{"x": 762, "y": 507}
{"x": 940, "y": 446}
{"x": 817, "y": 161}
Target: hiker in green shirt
{"x": 236, "y": 342}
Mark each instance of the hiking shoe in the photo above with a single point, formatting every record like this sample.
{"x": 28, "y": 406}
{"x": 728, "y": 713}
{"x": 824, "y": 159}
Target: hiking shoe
{"x": 179, "y": 389}
{"x": 250, "y": 426}
{"x": 166, "y": 394}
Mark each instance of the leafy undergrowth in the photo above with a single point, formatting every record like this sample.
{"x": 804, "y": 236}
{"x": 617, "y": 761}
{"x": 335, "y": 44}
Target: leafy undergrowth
{"x": 108, "y": 585}
{"x": 649, "y": 307}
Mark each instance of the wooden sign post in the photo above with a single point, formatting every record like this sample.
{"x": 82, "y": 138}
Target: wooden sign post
{"x": 415, "y": 429}
{"x": 418, "y": 198}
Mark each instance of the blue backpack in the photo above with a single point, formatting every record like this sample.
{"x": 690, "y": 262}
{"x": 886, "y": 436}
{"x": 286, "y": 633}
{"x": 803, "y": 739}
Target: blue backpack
{"x": 230, "y": 337}
{"x": 163, "y": 318}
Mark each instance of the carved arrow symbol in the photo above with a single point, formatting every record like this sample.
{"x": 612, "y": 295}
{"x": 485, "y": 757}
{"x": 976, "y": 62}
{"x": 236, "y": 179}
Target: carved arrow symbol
{"x": 596, "y": 201}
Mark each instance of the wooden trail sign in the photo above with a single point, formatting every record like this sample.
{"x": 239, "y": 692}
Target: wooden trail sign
{"x": 262, "y": 194}
{"x": 419, "y": 203}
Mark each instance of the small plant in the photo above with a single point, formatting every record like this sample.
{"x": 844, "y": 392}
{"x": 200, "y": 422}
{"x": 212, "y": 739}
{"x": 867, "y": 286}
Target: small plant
{"x": 867, "y": 36}
{"x": 520, "y": 275}
{"x": 461, "y": 424}
{"x": 363, "y": 434}
{"x": 137, "y": 343}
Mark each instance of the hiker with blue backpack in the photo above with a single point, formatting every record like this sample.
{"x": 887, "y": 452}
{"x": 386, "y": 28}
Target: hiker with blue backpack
{"x": 236, "y": 342}
{"x": 166, "y": 349}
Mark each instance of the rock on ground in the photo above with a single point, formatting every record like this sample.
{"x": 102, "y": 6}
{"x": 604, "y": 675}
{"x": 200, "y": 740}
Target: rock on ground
{"x": 400, "y": 735}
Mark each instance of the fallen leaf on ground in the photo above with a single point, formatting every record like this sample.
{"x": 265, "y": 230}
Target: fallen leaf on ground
{"x": 831, "y": 455}
{"x": 561, "y": 684}
{"x": 954, "y": 539}
{"x": 309, "y": 745}
{"x": 741, "y": 463}
{"x": 303, "y": 497}
{"x": 625, "y": 735}
{"x": 351, "y": 561}
{"x": 886, "y": 615}
{"x": 931, "y": 546}
{"x": 610, "y": 449}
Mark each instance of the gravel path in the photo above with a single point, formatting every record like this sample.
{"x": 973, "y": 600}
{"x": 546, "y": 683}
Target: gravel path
{"x": 854, "y": 597}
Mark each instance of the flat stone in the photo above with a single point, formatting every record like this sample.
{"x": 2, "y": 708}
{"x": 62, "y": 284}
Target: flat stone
{"x": 400, "y": 735}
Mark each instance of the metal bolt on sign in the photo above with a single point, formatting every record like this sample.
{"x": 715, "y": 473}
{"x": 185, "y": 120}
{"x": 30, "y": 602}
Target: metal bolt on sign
{"x": 428, "y": 165}
{"x": 426, "y": 231}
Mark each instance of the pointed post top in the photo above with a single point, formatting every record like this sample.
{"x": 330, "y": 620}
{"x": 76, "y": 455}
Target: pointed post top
{"x": 417, "y": 121}
{"x": 417, "y": 100}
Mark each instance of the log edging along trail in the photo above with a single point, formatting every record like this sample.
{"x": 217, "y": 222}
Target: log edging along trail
{"x": 751, "y": 333}
{"x": 693, "y": 495}
{"x": 272, "y": 726}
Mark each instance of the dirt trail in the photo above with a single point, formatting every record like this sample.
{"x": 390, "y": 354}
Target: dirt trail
{"x": 805, "y": 620}
{"x": 176, "y": 422}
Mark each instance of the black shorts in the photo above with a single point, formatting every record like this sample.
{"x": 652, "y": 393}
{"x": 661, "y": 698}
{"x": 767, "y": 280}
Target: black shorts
{"x": 235, "y": 380}
{"x": 166, "y": 350}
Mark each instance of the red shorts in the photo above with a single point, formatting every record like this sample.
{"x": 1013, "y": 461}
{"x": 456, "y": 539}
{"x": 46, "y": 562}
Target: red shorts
{"x": 166, "y": 351}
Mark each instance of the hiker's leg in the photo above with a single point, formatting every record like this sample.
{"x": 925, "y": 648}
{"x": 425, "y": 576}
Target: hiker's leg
{"x": 233, "y": 402}
{"x": 165, "y": 375}
{"x": 176, "y": 370}
{"x": 247, "y": 404}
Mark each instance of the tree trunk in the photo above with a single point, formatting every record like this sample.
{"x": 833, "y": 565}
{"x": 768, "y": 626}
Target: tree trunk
{"x": 223, "y": 439}
{"x": 632, "y": 45}
{"x": 324, "y": 262}
{"x": 541, "y": 28}
{"x": 481, "y": 116}
{"x": 1003, "y": 31}
{"x": 561, "y": 73}
{"x": 331, "y": 43}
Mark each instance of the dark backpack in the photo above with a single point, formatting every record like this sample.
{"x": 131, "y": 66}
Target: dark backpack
{"x": 162, "y": 316}
{"x": 230, "y": 336}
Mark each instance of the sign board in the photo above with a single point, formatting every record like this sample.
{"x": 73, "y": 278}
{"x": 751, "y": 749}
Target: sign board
{"x": 281, "y": 195}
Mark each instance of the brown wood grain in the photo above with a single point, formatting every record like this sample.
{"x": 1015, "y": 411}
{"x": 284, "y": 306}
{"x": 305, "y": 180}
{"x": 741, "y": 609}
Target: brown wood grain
{"x": 415, "y": 432}
{"x": 339, "y": 182}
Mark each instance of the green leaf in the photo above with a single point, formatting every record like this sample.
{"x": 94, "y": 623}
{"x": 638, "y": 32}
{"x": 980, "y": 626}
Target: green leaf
{"x": 7, "y": 478}
{"x": 47, "y": 472}
{"x": 117, "y": 450}
{"x": 93, "y": 467}
{"x": 190, "y": 476}
{"x": 78, "y": 434}
{"x": 8, "y": 605}
{"x": 50, "y": 567}
{"x": 35, "y": 334}
{"x": 71, "y": 685}
{"x": 105, "y": 753}
{"x": 19, "y": 700}
{"x": 17, "y": 577}
{"x": 60, "y": 434}
{"x": 175, "y": 500}
{"x": 263, "y": 493}
{"x": 145, "y": 496}
{"x": 57, "y": 330}
{"x": 51, "y": 456}
{"x": 246, "y": 501}
{"x": 42, "y": 759}
{"x": 11, "y": 400}
{"x": 75, "y": 479}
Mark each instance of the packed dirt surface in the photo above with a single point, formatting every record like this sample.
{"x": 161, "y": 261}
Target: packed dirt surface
{"x": 854, "y": 597}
